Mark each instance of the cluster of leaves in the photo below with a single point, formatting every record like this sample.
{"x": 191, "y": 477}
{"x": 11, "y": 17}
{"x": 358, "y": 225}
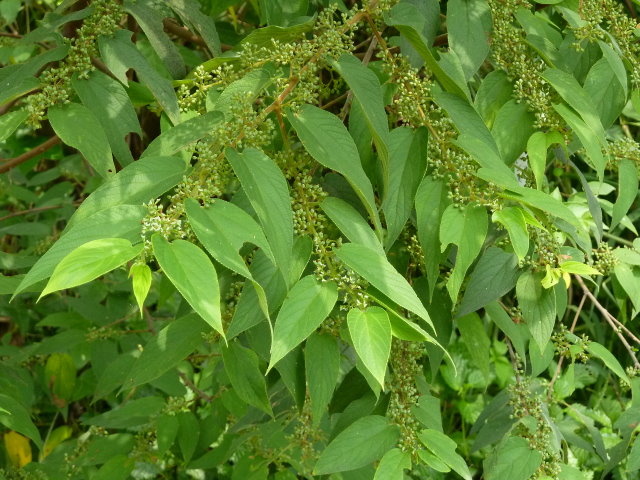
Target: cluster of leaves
{"x": 269, "y": 239}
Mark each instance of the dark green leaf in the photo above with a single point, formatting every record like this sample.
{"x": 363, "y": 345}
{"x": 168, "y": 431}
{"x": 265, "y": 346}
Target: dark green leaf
{"x": 538, "y": 307}
{"x": 322, "y": 366}
{"x": 468, "y": 26}
{"x": 241, "y": 364}
{"x": 513, "y": 459}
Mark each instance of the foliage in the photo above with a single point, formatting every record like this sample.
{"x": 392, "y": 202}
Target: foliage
{"x": 261, "y": 239}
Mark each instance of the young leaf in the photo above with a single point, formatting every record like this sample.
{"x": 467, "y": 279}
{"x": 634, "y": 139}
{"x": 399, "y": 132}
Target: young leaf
{"x": 307, "y": 304}
{"x": 141, "y": 278}
{"x": 370, "y": 331}
{"x": 361, "y": 443}
{"x": 466, "y": 228}
{"x": 268, "y": 192}
{"x": 322, "y": 368}
{"x": 79, "y": 128}
{"x": 165, "y": 350}
{"x": 327, "y": 140}
{"x": 538, "y": 307}
{"x": 193, "y": 274}
{"x": 374, "y": 267}
{"x": 89, "y": 261}
{"x": 241, "y": 365}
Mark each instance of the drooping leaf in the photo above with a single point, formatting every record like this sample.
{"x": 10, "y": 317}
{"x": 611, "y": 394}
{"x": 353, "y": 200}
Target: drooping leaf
{"x": 361, "y": 443}
{"x": 15, "y": 416}
{"x": 538, "y": 307}
{"x": 322, "y": 367}
{"x": 445, "y": 449}
{"x": 609, "y": 359}
{"x": 627, "y": 190}
{"x": 629, "y": 278}
{"x": 189, "y": 11}
{"x": 374, "y": 267}
{"x": 165, "y": 350}
{"x": 268, "y": 192}
{"x": 513, "y": 220}
{"x": 193, "y": 274}
{"x": 241, "y": 364}
{"x": 370, "y": 332}
{"x": 478, "y": 344}
{"x": 89, "y": 261}
{"x": 307, "y": 304}
{"x": 140, "y": 274}
{"x": 350, "y": 222}
{"x": 327, "y": 140}
{"x": 468, "y": 27}
{"x": 79, "y": 128}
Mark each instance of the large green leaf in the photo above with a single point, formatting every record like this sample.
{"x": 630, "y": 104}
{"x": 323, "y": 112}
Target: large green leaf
{"x": 268, "y": 192}
{"x": 248, "y": 87}
{"x": 79, "y": 128}
{"x": 193, "y": 274}
{"x": 538, "y": 307}
{"x": 366, "y": 89}
{"x": 627, "y": 190}
{"x": 468, "y": 27}
{"x": 307, "y": 304}
{"x": 370, "y": 332}
{"x": 466, "y": 228}
{"x": 131, "y": 414}
{"x": 513, "y": 220}
{"x": 512, "y": 128}
{"x": 513, "y": 459}
{"x": 374, "y": 267}
{"x": 327, "y": 140}
{"x": 120, "y": 54}
{"x": 361, "y": 443}
{"x": 166, "y": 349}
{"x": 137, "y": 183}
{"x": 89, "y": 261}
{"x": 16, "y": 417}
{"x": 609, "y": 360}
{"x": 392, "y": 465}
{"x": 183, "y": 135}
{"x": 407, "y": 164}
{"x": 189, "y": 11}
{"x": 241, "y": 365}
{"x": 445, "y": 449}
{"x": 109, "y": 102}
{"x": 121, "y": 221}
{"x": 350, "y": 222}
{"x": 322, "y": 368}
{"x": 478, "y": 343}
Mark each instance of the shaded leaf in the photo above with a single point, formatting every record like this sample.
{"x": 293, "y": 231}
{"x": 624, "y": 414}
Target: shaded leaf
{"x": 241, "y": 364}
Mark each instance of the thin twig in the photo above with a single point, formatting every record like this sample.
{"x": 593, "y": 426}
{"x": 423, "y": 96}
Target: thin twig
{"x": 31, "y": 210}
{"x": 609, "y": 318}
{"x": 204, "y": 396}
{"x": 34, "y": 152}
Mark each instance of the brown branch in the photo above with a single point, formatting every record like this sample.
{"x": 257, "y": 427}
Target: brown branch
{"x": 31, "y": 210}
{"x": 204, "y": 396}
{"x": 611, "y": 320}
{"x": 170, "y": 26}
{"x": 34, "y": 152}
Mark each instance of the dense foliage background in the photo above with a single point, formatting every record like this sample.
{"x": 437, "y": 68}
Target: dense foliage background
{"x": 273, "y": 239}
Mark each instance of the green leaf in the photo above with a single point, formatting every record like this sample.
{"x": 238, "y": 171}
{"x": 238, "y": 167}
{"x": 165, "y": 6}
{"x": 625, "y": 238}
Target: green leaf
{"x": 361, "y": 443}
{"x": 370, "y": 331}
{"x": 193, "y": 274}
{"x": 627, "y": 190}
{"x": 183, "y": 135}
{"x": 494, "y": 276}
{"x": 120, "y": 54}
{"x": 9, "y": 123}
{"x": 512, "y": 219}
{"x": 110, "y": 104}
{"x": 131, "y": 414}
{"x": 137, "y": 183}
{"x": 537, "y": 156}
{"x": 475, "y": 338}
{"x": 188, "y": 434}
{"x": 578, "y": 268}
{"x": 513, "y": 459}
{"x": 407, "y": 164}
{"x": 166, "y": 430}
{"x": 350, "y": 222}
{"x": 250, "y": 86}
{"x": 14, "y": 416}
{"x": 264, "y": 37}
{"x": 445, "y": 449}
{"x": 166, "y": 349}
{"x": 89, "y": 261}
{"x": 431, "y": 202}
{"x": 60, "y": 376}
{"x": 605, "y": 91}
{"x": 468, "y": 27}
{"x": 538, "y": 307}
{"x": 307, "y": 304}
{"x": 512, "y": 127}
{"x": 608, "y": 359}
{"x": 122, "y": 221}
{"x": 374, "y": 267}
{"x": 223, "y": 228}
{"x": 366, "y": 89}
{"x": 392, "y": 465}
{"x": 327, "y": 140}
{"x": 150, "y": 21}
{"x": 79, "y": 128}
{"x": 516, "y": 332}
{"x": 141, "y": 279}
{"x": 322, "y": 368}
{"x": 406, "y": 18}
{"x": 189, "y": 12}
{"x": 241, "y": 365}
{"x": 466, "y": 228}
{"x": 629, "y": 278}
{"x": 268, "y": 192}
